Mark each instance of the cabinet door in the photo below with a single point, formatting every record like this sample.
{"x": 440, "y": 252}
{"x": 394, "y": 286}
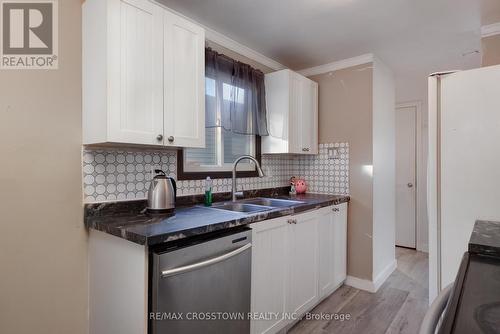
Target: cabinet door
{"x": 135, "y": 60}
{"x": 303, "y": 115}
{"x": 340, "y": 243}
{"x": 184, "y": 51}
{"x": 326, "y": 254}
{"x": 308, "y": 117}
{"x": 269, "y": 274}
{"x": 303, "y": 263}
{"x": 295, "y": 127}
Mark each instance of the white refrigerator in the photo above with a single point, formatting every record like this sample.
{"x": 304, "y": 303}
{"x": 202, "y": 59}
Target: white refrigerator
{"x": 463, "y": 172}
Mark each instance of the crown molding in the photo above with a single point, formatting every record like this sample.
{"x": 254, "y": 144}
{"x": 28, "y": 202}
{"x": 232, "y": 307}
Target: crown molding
{"x": 490, "y": 30}
{"x": 229, "y": 43}
{"x": 338, "y": 65}
{"x": 243, "y": 50}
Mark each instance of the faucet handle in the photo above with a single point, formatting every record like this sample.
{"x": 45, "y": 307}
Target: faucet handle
{"x": 239, "y": 194}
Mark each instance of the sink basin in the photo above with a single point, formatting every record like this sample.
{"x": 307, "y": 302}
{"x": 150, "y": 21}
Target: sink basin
{"x": 242, "y": 207}
{"x": 273, "y": 202}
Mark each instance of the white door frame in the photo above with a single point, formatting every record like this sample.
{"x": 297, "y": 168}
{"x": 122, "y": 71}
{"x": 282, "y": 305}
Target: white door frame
{"x": 419, "y": 177}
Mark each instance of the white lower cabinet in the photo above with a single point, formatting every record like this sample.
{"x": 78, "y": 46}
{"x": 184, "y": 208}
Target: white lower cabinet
{"x": 269, "y": 271}
{"x": 332, "y": 241}
{"x": 296, "y": 262}
{"x": 326, "y": 251}
{"x": 339, "y": 244}
{"x": 302, "y": 263}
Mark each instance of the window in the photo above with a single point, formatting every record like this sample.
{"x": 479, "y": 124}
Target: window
{"x": 222, "y": 146}
{"x": 234, "y": 96}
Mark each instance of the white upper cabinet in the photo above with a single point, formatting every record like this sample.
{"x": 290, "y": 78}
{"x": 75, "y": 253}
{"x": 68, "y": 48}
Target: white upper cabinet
{"x": 184, "y": 73}
{"x": 292, "y": 114}
{"x": 308, "y": 117}
{"x": 143, "y": 67}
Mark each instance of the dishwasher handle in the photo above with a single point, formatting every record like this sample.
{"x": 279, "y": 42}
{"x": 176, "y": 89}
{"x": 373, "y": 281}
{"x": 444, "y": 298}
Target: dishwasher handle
{"x": 183, "y": 269}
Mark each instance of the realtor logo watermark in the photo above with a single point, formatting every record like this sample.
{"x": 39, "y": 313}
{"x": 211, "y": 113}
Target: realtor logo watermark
{"x": 29, "y": 37}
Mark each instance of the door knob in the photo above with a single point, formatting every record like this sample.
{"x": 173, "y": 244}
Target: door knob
{"x": 159, "y": 137}
{"x": 171, "y": 139}
{"x": 410, "y": 185}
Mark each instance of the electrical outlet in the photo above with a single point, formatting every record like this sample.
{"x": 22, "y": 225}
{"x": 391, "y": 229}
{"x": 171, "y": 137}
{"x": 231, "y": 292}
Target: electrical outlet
{"x": 333, "y": 153}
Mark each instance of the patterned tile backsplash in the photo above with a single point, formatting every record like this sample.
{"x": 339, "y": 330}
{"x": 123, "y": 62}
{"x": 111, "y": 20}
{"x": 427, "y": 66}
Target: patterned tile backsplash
{"x": 120, "y": 174}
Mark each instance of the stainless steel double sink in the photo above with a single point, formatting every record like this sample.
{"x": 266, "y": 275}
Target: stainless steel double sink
{"x": 256, "y": 204}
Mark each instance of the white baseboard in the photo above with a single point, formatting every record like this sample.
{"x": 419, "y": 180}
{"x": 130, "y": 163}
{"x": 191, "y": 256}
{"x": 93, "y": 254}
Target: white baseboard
{"x": 424, "y": 247}
{"x": 371, "y": 286}
{"x": 384, "y": 274}
{"x": 359, "y": 283}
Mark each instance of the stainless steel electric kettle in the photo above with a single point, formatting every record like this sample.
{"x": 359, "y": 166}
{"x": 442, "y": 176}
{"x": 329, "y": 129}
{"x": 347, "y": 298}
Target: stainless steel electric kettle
{"x": 161, "y": 194}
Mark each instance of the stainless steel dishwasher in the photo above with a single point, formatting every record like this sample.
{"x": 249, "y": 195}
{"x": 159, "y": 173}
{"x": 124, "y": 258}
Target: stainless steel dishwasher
{"x": 202, "y": 286}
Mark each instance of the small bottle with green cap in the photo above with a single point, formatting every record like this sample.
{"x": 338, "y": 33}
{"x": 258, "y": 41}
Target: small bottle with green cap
{"x": 208, "y": 191}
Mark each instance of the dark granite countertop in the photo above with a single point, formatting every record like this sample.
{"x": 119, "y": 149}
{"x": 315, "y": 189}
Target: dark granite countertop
{"x": 474, "y": 305}
{"x": 485, "y": 238}
{"x": 127, "y": 221}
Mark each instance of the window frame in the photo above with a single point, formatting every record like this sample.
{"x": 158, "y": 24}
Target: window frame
{"x": 183, "y": 175}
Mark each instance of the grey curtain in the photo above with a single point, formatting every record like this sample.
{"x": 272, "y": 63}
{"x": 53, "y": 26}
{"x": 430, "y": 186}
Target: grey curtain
{"x": 235, "y": 95}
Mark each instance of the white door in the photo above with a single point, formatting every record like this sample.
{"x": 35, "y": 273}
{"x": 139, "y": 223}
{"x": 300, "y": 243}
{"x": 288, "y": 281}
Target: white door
{"x": 269, "y": 273}
{"x": 326, "y": 251}
{"x": 303, "y": 263}
{"x": 184, "y": 50}
{"x": 405, "y": 176}
{"x": 136, "y": 64}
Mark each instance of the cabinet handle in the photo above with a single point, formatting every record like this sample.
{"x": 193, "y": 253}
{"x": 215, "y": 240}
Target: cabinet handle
{"x": 159, "y": 137}
{"x": 171, "y": 139}
{"x": 305, "y": 149}
{"x": 290, "y": 221}
{"x": 335, "y": 209}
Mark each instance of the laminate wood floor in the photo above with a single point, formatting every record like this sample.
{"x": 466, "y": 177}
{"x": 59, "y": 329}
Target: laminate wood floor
{"x": 397, "y": 307}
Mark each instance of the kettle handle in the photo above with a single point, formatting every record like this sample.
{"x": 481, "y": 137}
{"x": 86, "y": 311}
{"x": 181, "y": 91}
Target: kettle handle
{"x": 175, "y": 187}
{"x": 159, "y": 171}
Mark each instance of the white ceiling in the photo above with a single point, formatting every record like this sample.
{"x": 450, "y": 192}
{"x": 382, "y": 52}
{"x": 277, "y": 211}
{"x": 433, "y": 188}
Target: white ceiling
{"x": 413, "y": 37}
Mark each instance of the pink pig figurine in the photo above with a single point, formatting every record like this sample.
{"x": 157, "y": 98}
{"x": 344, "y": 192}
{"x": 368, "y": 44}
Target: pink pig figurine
{"x": 300, "y": 186}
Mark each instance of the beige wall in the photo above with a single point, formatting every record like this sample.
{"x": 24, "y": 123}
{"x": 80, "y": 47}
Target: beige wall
{"x": 491, "y": 50}
{"x": 43, "y": 255}
{"x": 345, "y": 114}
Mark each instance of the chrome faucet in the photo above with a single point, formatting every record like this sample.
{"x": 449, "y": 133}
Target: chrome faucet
{"x": 259, "y": 170}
